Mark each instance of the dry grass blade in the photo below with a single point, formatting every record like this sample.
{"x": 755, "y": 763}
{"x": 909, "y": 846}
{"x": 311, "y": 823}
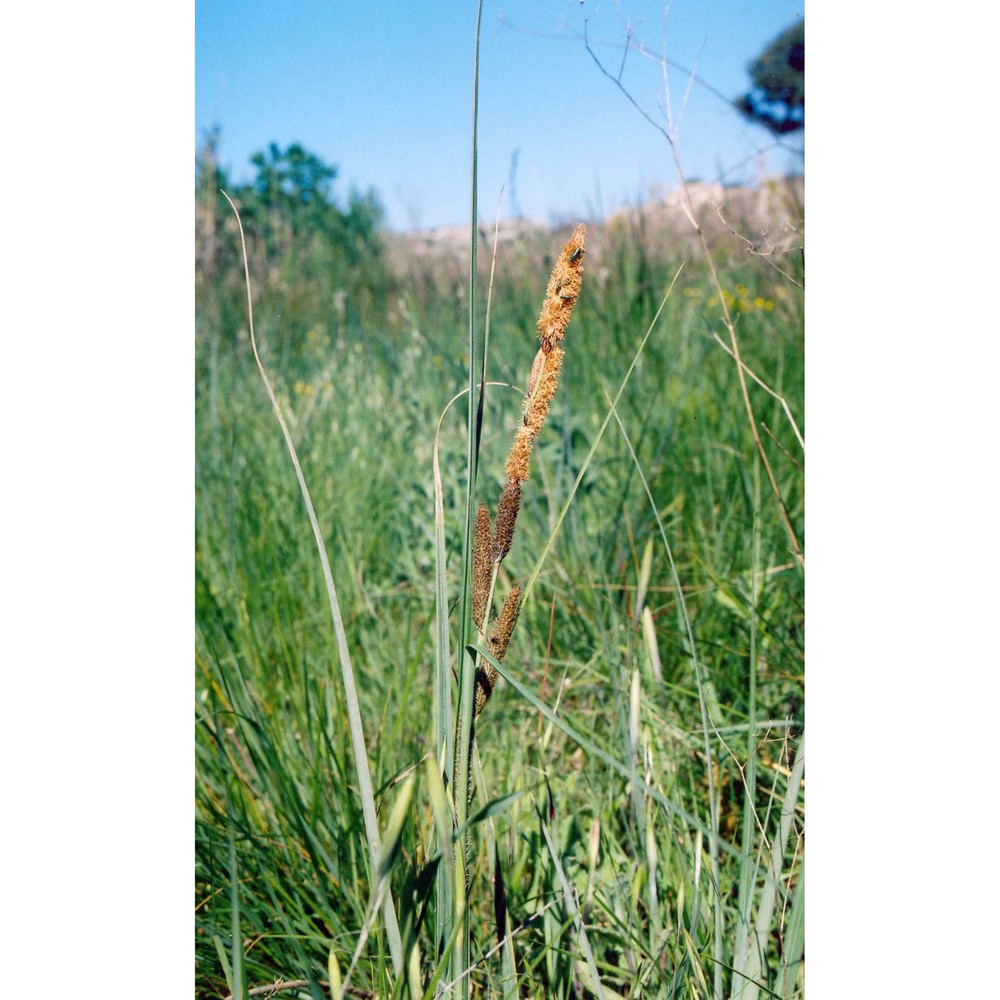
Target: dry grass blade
{"x": 346, "y": 668}
{"x": 781, "y": 399}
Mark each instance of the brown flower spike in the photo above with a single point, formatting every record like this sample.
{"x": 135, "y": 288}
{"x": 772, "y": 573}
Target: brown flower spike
{"x": 486, "y": 676}
{"x": 509, "y": 505}
{"x": 560, "y": 298}
{"x": 564, "y": 287}
{"x": 482, "y": 564}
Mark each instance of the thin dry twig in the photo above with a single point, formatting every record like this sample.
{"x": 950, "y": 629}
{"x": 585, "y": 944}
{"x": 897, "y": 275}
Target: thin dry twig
{"x": 781, "y": 399}
{"x": 767, "y": 254}
{"x": 784, "y": 451}
{"x": 686, "y": 203}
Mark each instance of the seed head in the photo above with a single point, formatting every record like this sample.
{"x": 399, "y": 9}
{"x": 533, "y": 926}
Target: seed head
{"x": 482, "y": 560}
{"x": 564, "y": 287}
{"x": 537, "y": 407}
{"x": 504, "y": 628}
{"x": 520, "y": 454}
{"x": 486, "y": 676}
{"x": 509, "y": 505}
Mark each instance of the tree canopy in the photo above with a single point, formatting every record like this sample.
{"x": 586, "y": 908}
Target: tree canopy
{"x": 777, "y": 97}
{"x": 305, "y": 245}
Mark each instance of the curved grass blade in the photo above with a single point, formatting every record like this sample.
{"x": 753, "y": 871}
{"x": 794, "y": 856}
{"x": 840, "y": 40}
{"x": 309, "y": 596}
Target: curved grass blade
{"x": 543, "y": 555}
{"x": 707, "y": 725}
{"x": 346, "y": 668}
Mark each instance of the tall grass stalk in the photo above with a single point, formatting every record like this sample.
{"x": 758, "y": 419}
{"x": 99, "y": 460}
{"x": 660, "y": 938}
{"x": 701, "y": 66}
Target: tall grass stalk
{"x": 491, "y": 542}
{"x": 451, "y": 900}
{"x": 361, "y": 765}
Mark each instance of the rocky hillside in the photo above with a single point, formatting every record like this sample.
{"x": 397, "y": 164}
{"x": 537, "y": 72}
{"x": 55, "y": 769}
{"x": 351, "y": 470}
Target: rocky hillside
{"x": 769, "y": 216}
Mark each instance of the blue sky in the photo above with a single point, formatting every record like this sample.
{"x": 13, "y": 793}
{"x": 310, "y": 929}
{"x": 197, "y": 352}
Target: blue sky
{"x": 383, "y": 92}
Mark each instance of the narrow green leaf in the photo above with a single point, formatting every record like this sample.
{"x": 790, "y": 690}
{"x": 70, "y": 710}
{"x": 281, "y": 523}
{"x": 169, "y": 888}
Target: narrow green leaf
{"x": 346, "y": 668}
{"x": 569, "y": 901}
{"x": 593, "y": 748}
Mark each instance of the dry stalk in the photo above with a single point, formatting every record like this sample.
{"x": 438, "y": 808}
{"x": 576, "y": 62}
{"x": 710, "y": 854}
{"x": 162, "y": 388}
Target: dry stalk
{"x": 688, "y": 207}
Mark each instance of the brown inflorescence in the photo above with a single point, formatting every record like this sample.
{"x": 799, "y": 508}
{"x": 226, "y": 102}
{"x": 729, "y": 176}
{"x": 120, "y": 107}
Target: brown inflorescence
{"x": 560, "y": 297}
{"x": 486, "y": 677}
{"x": 504, "y": 628}
{"x": 537, "y": 407}
{"x": 518, "y": 461}
{"x": 564, "y": 287}
{"x": 482, "y": 563}
{"x": 507, "y": 508}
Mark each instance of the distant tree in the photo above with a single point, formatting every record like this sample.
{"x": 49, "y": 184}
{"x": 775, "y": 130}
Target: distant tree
{"x": 295, "y": 185}
{"x": 305, "y": 246}
{"x": 777, "y": 97}
{"x": 293, "y": 194}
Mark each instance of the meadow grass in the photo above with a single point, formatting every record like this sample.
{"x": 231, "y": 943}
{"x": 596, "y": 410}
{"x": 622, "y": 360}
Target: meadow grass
{"x": 639, "y": 775}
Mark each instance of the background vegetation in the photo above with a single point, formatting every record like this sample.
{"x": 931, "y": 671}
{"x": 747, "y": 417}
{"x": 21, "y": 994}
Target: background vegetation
{"x": 777, "y": 97}
{"x": 364, "y": 340}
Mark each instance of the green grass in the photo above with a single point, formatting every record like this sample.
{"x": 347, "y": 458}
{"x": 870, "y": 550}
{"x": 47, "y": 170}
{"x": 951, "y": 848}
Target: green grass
{"x": 699, "y": 826}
